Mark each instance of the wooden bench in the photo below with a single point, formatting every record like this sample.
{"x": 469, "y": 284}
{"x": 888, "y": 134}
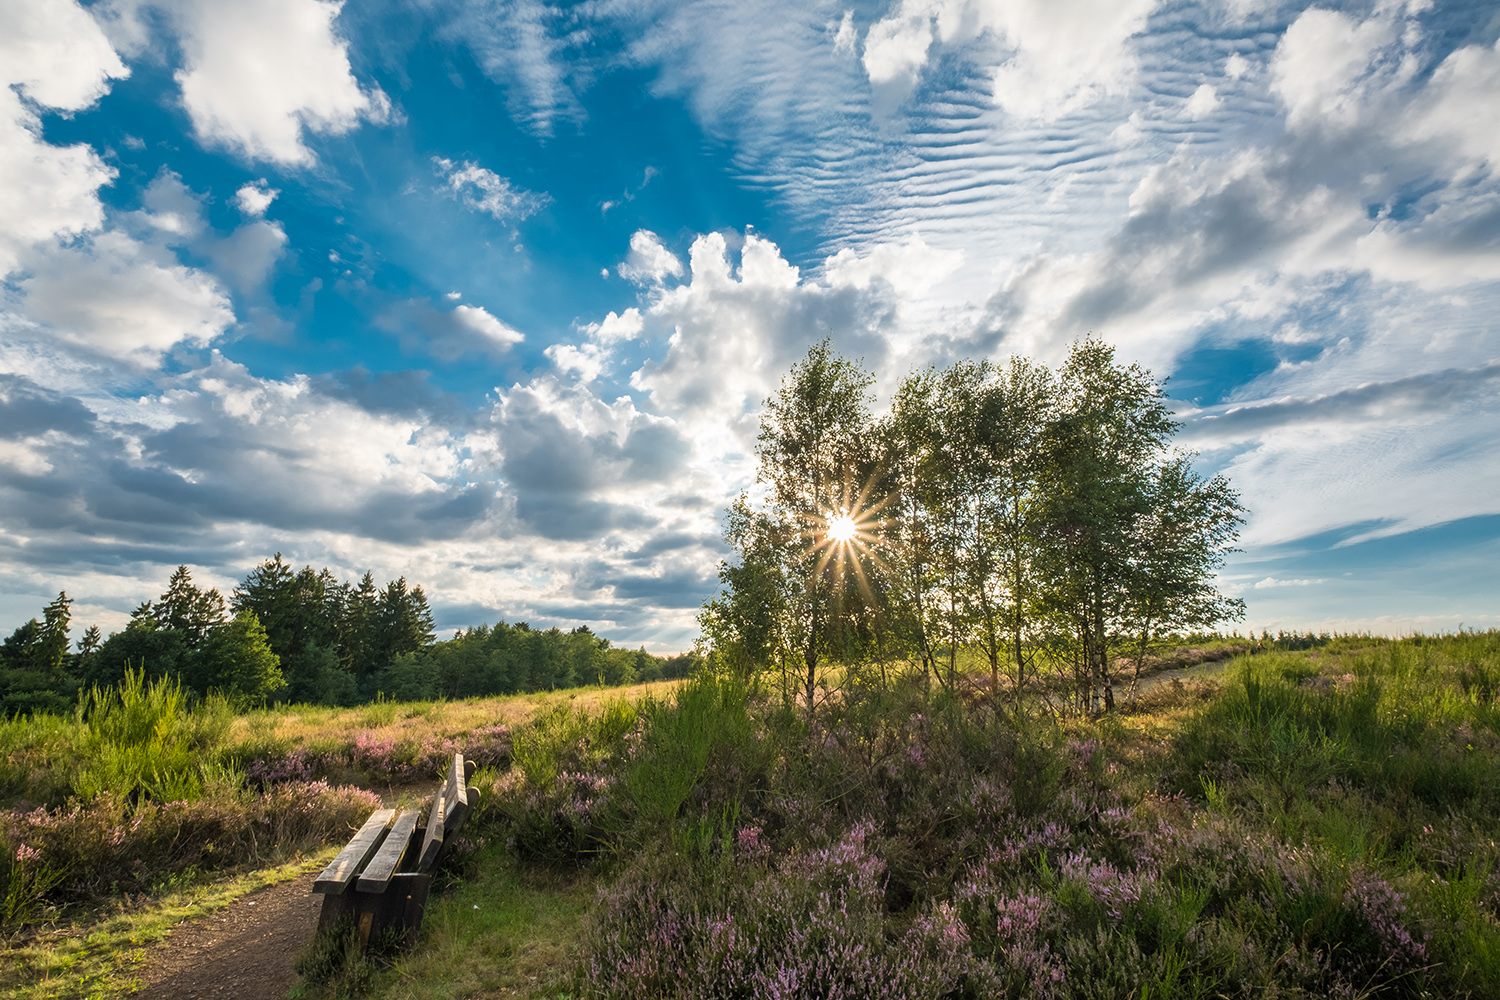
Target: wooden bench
{"x": 381, "y": 878}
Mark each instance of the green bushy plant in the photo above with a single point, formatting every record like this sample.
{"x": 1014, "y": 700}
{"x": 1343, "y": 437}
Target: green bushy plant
{"x": 143, "y": 738}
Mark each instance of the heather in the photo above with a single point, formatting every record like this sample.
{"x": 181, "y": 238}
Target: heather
{"x": 1316, "y": 822}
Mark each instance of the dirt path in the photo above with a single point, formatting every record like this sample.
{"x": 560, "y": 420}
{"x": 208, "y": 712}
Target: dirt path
{"x": 242, "y": 952}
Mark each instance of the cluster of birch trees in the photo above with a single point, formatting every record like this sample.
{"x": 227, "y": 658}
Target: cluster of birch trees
{"x": 1036, "y": 519}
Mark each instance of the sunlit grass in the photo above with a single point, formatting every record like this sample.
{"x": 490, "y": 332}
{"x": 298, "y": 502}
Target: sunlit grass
{"x": 303, "y": 725}
{"x": 103, "y": 954}
{"x": 507, "y": 931}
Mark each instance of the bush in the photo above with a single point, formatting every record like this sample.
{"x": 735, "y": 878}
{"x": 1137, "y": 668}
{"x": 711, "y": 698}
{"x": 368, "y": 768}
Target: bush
{"x": 108, "y": 846}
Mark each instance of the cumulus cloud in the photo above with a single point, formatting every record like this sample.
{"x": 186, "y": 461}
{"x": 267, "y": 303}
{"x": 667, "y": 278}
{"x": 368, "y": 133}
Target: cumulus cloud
{"x": 124, "y": 300}
{"x": 1065, "y": 55}
{"x": 735, "y": 331}
{"x": 486, "y": 191}
{"x": 1203, "y": 102}
{"x": 53, "y": 53}
{"x": 1461, "y": 104}
{"x": 258, "y": 77}
{"x": 590, "y": 360}
{"x": 253, "y": 199}
{"x": 1325, "y": 66}
{"x": 649, "y": 262}
{"x": 173, "y": 215}
{"x": 576, "y": 462}
{"x": 246, "y": 256}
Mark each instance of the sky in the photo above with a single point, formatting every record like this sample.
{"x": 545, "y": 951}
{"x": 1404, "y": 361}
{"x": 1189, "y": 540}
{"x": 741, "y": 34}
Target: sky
{"x": 490, "y": 295}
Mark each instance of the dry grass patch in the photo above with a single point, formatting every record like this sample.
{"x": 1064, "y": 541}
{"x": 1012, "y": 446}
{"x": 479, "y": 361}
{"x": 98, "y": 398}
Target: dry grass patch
{"x": 397, "y": 721}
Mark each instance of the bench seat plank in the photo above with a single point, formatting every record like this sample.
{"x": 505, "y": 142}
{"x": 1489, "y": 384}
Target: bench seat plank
{"x": 341, "y": 871}
{"x": 388, "y": 858}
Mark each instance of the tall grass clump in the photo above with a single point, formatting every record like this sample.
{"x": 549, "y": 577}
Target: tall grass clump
{"x": 143, "y": 738}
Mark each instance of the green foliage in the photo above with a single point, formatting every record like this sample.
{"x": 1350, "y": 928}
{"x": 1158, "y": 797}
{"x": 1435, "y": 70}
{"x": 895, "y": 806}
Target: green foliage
{"x": 680, "y": 734}
{"x": 110, "y": 846}
{"x": 1404, "y": 718}
{"x": 334, "y": 959}
{"x": 1028, "y": 516}
{"x": 143, "y": 739}
{"x": 512, "y": 659}
{"x": 240, "y": 660}
{"x": 903, "y": 835}
{"x": 28, "y": 880}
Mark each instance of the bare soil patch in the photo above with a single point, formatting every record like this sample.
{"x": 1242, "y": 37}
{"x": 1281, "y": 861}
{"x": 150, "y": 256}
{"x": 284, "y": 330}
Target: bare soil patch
{"x": 243, "y": 951}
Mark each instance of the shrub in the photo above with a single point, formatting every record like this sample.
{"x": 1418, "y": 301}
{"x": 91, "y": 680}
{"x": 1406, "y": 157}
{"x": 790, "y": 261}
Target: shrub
{"x": 108, "y": 846}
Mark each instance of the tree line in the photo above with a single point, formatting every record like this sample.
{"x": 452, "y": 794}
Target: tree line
{"x": 1035, "y": 519}
{"x": 304, "y": 636}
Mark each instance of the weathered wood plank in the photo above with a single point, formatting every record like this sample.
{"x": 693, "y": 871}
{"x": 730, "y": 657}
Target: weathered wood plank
{"x": 342, "y": 870}
{"x": 456, "y": 788}
{"x": 383, "y": 865}
{"x": 458, "y": 794}
{"x": 433, "y": 842}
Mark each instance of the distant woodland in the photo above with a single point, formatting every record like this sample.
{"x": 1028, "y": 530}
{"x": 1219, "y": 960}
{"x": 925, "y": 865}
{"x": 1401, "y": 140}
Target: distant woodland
{"x": 304, "y": 636}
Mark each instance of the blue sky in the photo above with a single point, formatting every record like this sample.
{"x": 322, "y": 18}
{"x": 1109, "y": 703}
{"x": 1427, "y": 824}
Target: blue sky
{"x": 489, "y": 295}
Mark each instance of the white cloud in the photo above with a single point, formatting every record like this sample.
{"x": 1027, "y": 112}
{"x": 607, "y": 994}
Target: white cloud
{"x": 616, "y": 327}
{"x": 54, "y": 53}
{"x": 910, "y": 267}
{"x": 448, "y": 334}
{"x": 590, "y": 360}
{"x": 124, "y": 299}
{"x": 524, "y": 46}
{"x": 1271, "y": 581}
{"x": 173, "y": 216}
{"x": 896, "y": 46}
{"x": 1236, "y": 66}
{"x": 1067, "y": 53}
{"x": 245, "y": 257}
{"x": 486, "y": 191}
{"x": 587, "y": 361}
{"x": 845, "y": 38}
{"x": 46, "y": 191}
{"x": 649, "y": 263}
{"x": 1461, "y": 103}
{"x": 735, "y": 331}
{"x": 1058, "y": 55}
{"x": 253, "y": 199}
{"x": 1326, "y": 66}
{"x": 1204, "y": 102}
{"x": 487, "y": 328}
{"x": 260, "y": 75}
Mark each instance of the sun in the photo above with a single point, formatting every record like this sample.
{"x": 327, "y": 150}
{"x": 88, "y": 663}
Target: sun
{"x": 841, "y": 528}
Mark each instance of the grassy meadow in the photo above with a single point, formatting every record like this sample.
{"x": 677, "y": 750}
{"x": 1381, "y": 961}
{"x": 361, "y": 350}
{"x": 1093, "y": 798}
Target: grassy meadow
{"x": 1298, "y": 822}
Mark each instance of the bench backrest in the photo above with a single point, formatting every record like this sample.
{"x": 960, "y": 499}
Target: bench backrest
{"x": 450, "y": 806}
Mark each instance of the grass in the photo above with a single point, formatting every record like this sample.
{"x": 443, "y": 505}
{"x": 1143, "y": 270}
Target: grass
{"x": 1303, "y": 822}
{"x": 304, "y": 725}
{"x": 509, "y": 930}
{"x": 101, "y": 955}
